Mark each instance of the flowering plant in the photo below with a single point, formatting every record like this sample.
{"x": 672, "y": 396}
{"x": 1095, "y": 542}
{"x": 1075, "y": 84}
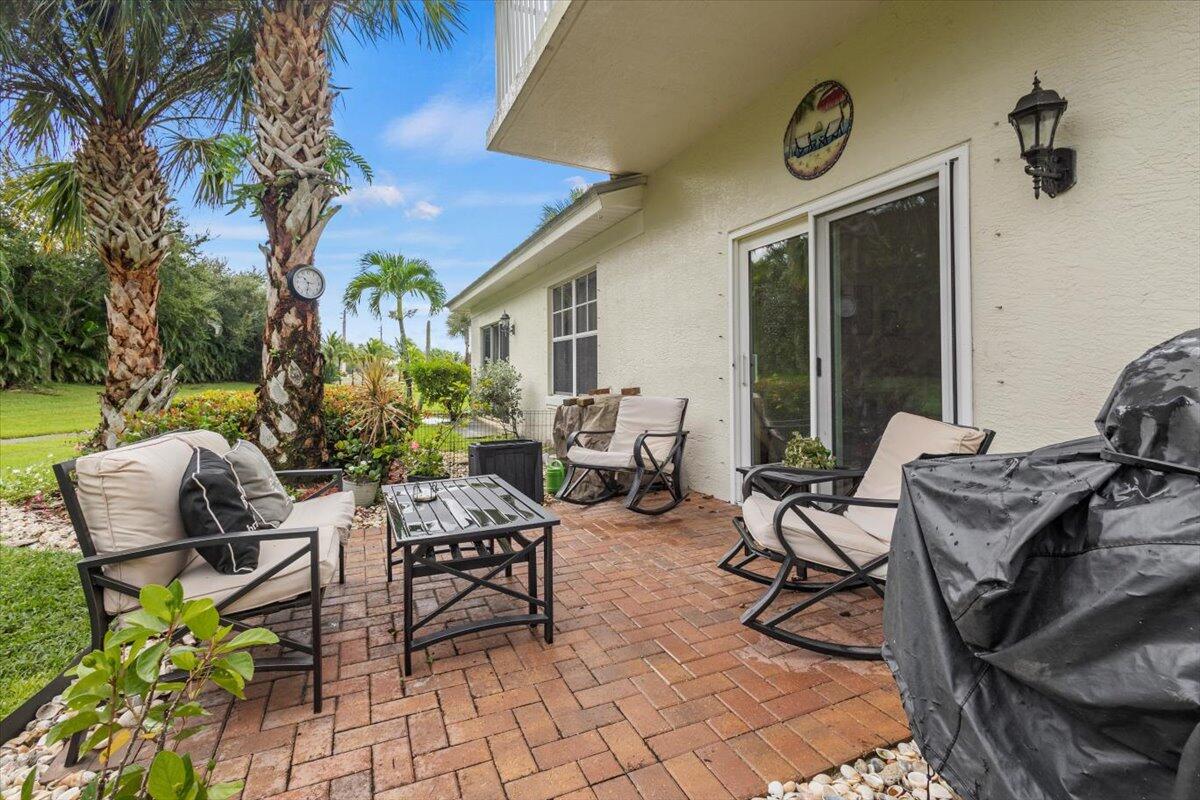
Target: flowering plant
{"x": 427, "y": 460}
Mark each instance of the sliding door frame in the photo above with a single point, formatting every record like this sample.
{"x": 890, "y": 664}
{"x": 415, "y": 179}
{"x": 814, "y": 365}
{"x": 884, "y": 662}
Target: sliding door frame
{"x": 951, "y": 170}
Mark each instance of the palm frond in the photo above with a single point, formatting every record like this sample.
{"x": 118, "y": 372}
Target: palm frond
{"x": 340, "y": 156}
{"x": 51, "y": 191}
{"x": 552, "y": 210}
{"x": 434, "y": 23}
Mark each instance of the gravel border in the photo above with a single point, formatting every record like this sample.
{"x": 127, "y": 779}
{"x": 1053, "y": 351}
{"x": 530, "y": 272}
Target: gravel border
{"x": 898, "y": 773}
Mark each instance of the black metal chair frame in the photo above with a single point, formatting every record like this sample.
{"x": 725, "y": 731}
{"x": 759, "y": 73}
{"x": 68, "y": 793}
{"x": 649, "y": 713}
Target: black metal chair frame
{"x": 666, "y": 474}
{"x": 306, "y": 658}
{"x": 780, "y": 483}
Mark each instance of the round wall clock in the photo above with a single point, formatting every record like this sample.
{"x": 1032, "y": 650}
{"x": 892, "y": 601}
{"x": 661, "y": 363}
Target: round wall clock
{"x": 306, "y": 282}
{"x": 818, "y": 131}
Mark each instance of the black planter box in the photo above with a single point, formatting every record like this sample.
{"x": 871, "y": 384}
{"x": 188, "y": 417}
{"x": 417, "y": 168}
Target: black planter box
{"x": 518, "y": 461}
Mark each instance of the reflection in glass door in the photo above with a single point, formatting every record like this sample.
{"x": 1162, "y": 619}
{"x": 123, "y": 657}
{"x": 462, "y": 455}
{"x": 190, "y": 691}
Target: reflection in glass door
{"x": 779, "y": 346}
{"x": 882, "y": 310}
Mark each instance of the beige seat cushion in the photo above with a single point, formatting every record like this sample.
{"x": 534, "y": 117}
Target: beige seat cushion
{"x": 638, "y": 414}
{"x": 330, "y": 514}
{"x": 906, "y": 438}
{"x": 758, "y": 512}
{"x": 600, "y": 458}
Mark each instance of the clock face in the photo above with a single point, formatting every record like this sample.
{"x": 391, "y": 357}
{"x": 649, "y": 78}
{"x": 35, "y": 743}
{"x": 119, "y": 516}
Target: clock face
{"x": 306, "y": 282}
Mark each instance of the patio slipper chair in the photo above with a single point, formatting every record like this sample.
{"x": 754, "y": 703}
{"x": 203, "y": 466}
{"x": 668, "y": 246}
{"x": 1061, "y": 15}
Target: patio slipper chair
{"x": 847, "y": 534}
{"x": 124, "y": 506}
{"x": 647, "y": 442}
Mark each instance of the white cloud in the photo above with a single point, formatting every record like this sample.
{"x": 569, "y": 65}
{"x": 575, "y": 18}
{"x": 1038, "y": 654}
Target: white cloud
{"x": 423, "y": 209}
{"x": 375, "y": 194}
{"x": 576, "y": 182}
{"x": 450, "y": 127}
{"x": 482, "y": 198}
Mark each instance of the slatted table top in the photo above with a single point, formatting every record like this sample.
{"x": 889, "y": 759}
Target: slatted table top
{"x": 466, "y": 509}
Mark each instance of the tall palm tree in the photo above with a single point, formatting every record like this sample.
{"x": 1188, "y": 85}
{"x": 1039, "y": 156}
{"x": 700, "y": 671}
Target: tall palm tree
{"x": 458, "y": 323}
{"x": 391, "y": 276}
{"x": 110, "y": 82}
{"x": 293, "y": 109}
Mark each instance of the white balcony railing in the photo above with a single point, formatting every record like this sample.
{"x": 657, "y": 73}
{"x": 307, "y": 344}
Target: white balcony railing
{"x": 517, "y": 25}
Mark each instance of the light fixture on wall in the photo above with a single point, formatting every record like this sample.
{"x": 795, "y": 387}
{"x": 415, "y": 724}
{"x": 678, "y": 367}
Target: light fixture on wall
{"x": 1036, "y": 119}
{"x": 507, "y": 326}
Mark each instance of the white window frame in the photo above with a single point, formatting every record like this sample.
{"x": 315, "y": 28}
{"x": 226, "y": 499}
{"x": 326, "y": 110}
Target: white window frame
{"x": 952, "y": 170}
{"x": 575, "y": 335}
{"x": 490, "y": 343}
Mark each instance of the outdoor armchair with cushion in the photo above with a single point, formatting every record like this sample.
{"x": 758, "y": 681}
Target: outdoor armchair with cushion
{"x": 124, "y": 507}
{"x": 647, "y": 441}
{"x": 848, "y": 533}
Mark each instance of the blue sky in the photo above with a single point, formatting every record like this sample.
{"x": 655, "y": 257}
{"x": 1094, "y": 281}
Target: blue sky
{"x": 420, "y": 118}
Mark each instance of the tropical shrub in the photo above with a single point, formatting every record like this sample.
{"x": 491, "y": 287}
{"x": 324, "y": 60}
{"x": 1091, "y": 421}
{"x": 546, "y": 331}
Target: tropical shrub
{"x": 442, "y": 382}
{"x": 497, "y": 393}
{"x": 120, "y": 696}
{"x": 380, "y": 413}
{"x": 229, "y": 413}
{"x": 338, "y": 410}
{"x": 52, "y": 318}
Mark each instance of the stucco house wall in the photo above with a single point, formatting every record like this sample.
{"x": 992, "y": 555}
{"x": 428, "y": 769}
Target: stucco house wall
{"x": 1065, "y": 291}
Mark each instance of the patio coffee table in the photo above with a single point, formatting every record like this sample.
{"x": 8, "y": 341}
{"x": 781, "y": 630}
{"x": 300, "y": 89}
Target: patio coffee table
{"x": 478, "y": 522}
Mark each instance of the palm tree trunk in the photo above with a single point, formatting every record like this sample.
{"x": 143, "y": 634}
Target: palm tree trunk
{"x": 408, "y": 384}
{"x": 293, "y": 113}
{"x": 125, "y": 200}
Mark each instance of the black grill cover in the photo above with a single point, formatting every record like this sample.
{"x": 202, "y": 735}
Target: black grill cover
{"x": 1042, "y": 616}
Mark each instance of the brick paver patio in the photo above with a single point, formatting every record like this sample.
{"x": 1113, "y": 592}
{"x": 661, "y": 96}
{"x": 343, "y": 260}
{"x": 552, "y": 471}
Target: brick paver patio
{"x": 652, "y": 688}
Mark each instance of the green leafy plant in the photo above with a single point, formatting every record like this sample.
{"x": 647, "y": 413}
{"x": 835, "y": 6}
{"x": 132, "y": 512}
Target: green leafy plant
{"x": 426, "y": 460}
{"x": 805, "y": 452}
{"x": 442, "y": 382}
{"x": 144, "y": 686}
{"x": 357, "y": 459}
{"x": 497, "y": 392}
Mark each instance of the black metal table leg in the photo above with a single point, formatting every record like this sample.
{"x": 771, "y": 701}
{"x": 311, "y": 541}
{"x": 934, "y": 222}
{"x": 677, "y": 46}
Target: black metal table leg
{"x": 408, "y": 608}
{"x": 388, "y": 546}
{"x": 548, "y": 580}
{"x": 533, "y": 570}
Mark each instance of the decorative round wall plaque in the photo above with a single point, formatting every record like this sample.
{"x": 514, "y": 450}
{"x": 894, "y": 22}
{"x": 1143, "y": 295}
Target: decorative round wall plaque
{"x": 818, "y": 131}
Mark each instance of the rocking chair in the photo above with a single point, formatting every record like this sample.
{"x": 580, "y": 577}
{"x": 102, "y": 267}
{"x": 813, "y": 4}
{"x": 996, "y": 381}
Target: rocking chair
{"x": 647, "y": 441}
{"x": 846, "y": 534}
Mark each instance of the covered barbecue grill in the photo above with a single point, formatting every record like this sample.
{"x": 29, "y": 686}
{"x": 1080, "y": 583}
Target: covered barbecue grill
{"x": 1042, "y": 617}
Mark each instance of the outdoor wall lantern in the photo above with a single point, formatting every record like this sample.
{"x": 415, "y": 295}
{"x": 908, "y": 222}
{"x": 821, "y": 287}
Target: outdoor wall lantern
{"x": 507, "y": 327}
{"x": 1036, "y": 120}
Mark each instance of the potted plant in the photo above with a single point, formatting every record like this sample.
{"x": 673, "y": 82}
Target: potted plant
{"x": 805, "y": 452}
{"x": 497, "y": 393}
{"x": 360, "y": 469}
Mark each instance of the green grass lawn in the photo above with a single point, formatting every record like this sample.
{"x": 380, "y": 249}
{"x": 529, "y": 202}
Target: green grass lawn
{"x": 43, "y": 621}
{"x": 65, "y": 407}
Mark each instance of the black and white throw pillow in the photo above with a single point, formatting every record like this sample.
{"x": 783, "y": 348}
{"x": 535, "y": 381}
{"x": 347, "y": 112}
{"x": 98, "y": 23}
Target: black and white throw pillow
{"x": 212, "y": 502}
{"x": 267, "y": 498}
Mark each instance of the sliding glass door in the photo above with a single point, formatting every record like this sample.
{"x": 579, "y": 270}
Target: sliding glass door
{"x": 881, "y": 326}
{"x": 778, "y": 380}
{"x": 852, "y": 312}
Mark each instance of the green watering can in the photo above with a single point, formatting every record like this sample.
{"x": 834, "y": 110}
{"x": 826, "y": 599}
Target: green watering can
{"x": 555, "y": 474}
